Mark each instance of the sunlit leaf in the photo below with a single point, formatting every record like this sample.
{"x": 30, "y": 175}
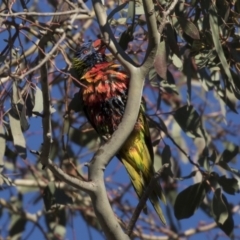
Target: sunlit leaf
{"x": 18, "y": 137}
{"x": 38, "y": 105}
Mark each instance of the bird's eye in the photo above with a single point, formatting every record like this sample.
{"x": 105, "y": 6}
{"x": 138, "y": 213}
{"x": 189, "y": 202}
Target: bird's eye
{"x": 85, "y": 51}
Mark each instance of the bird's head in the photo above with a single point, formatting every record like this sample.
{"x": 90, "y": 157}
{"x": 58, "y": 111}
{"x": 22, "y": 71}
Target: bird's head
{"x": 88, "y": 55}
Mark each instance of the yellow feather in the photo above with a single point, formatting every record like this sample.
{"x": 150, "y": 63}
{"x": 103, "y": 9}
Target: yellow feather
{"x": 136, "y": 157}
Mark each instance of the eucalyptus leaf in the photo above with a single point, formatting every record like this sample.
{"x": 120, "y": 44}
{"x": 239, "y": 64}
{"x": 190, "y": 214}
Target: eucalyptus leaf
{"x": 222, "y": 212}
{"x": 189, "y": 200}
{"x": 229, "y": 185}
{"x": 18, "y": 137}
{"x": 219, "y": 209}
{"x": 2, "y": 147}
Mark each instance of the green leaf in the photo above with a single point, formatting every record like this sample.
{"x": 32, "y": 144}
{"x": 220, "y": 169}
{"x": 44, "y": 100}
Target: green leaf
{"x": 189, "y": 28}
{"x": 126, "y": 37}
{"x": 228, "y": 225}
{"x": 214, "y": 25}
{"x": 192, "y": 174}
{"x": 229, "y": 185}
{"x": 189, "y": 200}
{"x": 38, "y": 102}
{"x": 131, "y": 11}
{"x": 229, "y": 153}
{"x": 225, "y": 166}
{"x": 2, "y": 58}
{"x": 76, "y": 103}
{"x": 177, "y": 62}
{"x": 52, "y": 196}
{"x": 56, "y": 223}
{"x": 189, "y": 120}
{"x": 2, "y": 146}
{"x": 19, "y": 107}
{"x": 213, "y": 157}
{"x": 172, "y": 39}
{"x": 17, "y": 223}
{"x": 220, "y": 211}
{"x": 166, "y": 156}
{"x": 86, "y": 137}
{"x": 188, "y": 62}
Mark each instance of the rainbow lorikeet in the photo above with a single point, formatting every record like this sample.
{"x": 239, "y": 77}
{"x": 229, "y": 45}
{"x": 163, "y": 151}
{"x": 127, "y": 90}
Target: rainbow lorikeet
{"x": 104, "y": 96}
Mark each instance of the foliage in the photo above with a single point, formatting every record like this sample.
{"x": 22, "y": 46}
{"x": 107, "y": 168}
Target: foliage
{"x": 192, "y": 94}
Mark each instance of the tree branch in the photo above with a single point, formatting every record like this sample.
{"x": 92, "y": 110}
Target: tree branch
{"x": 108, "y": 36}
{"x": 105, "y": 153}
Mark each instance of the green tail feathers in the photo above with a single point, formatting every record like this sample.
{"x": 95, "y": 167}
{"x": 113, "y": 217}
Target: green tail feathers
{"x": 155, "y": 202}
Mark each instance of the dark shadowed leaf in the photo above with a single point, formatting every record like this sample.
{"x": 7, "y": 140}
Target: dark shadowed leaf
{"x": 56, "y": 222}
{"x": 126, "y": 37}
{"x": 213, "y": 156}
{"x": 188, "y": 63}
{"x": 229, "y": 185}
{"x": 214, "y": 25}
{"x": 229, "y": 153}
{"x": 189, "y": 120}
{"x": 172, "y": 39}
{"x": 222, "y": 212}
{"x": 2, "y": 58}
{"x": 189, "y": 200}
{"x": 76, "y": 103}
{"x": 18, "y": 222}
{"x": 225, "y": 166}
{"x": 192, "y": 174}
{"x": 53, "y": 196}
{"x": 166, "y": 156}
{"x": 204, "y": 159}
{"x": 17, "y": 226}
{"x": 189, "y": 28}
{"x": 2, "y": 146}
{"x": 83, "y": 138}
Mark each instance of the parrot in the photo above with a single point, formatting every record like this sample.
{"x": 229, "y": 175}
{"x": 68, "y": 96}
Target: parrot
{"x": 103, "y": 93}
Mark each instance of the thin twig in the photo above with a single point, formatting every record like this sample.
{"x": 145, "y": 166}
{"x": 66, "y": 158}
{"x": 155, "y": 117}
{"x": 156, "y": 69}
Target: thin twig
{"x": 165, "y": 16}
{"x": 44, "y": 14}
